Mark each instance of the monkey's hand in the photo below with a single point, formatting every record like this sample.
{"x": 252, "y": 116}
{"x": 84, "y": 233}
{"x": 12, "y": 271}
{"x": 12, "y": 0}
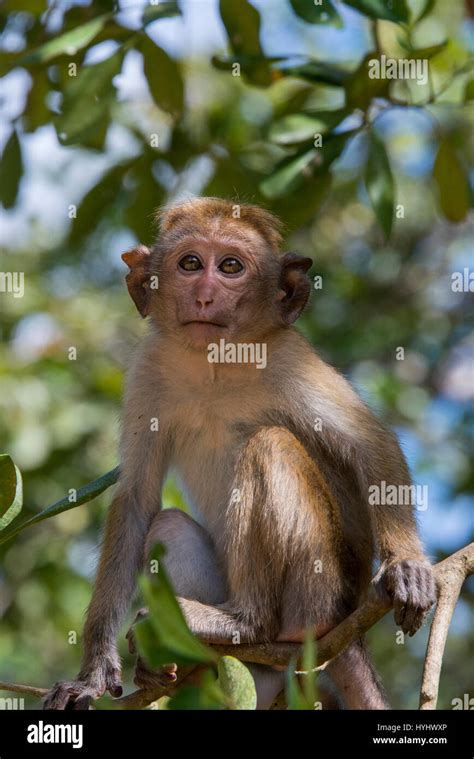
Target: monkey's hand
{"x": 92, "y": 682}
{"x": 144, "y": 677}
{"x": 411, "y": 586}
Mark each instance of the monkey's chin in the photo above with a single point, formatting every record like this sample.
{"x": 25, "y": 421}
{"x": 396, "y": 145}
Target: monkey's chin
{"x": 199, "y": 335}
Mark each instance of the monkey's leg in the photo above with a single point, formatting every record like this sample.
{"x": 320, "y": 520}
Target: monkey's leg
{"x": 193, "y": 568}
{"x": 356, "y": 680}
{"x": 286, "y": 557}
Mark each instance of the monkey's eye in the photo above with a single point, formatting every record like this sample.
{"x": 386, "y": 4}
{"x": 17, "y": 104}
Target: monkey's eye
{"x": 190, "y": 263}
{"x": 230, "y": 266}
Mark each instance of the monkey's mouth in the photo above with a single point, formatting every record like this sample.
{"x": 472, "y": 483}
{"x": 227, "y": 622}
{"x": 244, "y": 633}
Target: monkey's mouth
{"x": 204, "y": 322}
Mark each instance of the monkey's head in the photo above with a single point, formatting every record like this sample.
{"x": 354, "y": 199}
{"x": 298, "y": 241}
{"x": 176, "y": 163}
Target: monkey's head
{"x": 216, "y": 272}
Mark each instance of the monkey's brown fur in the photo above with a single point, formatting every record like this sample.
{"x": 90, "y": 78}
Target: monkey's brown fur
{"x": 277, "y": 462}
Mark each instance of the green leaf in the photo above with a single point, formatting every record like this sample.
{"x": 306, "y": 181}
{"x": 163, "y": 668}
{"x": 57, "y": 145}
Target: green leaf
{"x": 361, "y": 89}
{"x": 325, "y": 13}
{"x": 11, "y": 171}
{"x": 293, "y": 172}
{"x": 207, "y": 695}
{"x": 390, "y": 10}
{"x": 148, "y": 194}
{"x": 425, "y": 10}
{"x": 83, "y": 495}
{"x": 164, "y": 636}
{"x": 301, "y": 206}
{"x": 11, "y": 490}
{"x": 242, "y": 23}
{"x": 469, "y": 91}
{"x": 25, "y": 6}
{"x": 36, "y": 111}
{"x": 294, "y": 697}
{"x": 164, "y": 78}
{"x": 313, "y": 71}
{"x": 88, "y": 99}
{"x": 379, "y": 183}
{"x": 163, "y": 10}
{"x": 68, "y": 43}
{"x": 301, "y": 127}
{"x": 308, "y": 663}
{"x": 94, "y": 204}
{"x": 237, "y": 683}
{"x": 452, "y": 183}
{"x": 423, "y": 52}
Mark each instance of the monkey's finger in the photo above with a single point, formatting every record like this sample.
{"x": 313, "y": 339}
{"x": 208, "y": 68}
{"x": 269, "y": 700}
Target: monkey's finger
{"x": 57, "y": 698}
{"x": 115, "y": 689}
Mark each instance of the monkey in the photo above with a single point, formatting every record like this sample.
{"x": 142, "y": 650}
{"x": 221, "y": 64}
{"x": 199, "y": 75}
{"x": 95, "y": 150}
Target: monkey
{"x": 276, "y": 462}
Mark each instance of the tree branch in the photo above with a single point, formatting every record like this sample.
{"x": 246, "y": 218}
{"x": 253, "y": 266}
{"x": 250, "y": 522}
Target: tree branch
{"x": 450, "y": 575}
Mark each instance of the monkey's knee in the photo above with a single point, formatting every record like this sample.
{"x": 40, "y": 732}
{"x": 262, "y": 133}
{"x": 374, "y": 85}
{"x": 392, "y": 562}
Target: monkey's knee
{"x": 190, "y": 559}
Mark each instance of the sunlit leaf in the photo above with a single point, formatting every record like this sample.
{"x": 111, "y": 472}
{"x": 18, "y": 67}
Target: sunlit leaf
{"x": 237, "y": 683}
{"x": 242, "y": 23}
{"x": 300, "y": 127}
{"x": 452, "y": 183}
{"x": 173, "y": 641}
{"x": 11, "y": 171}
{"x": 379, "y": 183}
{"x": 325, "y": 13}
{"x": 391, "y": 10}
{"x": 164, "y": 9}
{"x": 424, "y": 52}
{"x": 88, "y": 99}
{"x": 11, "y": 490}
{"x": 163, "y": 77}
{"x": 68, "y": 43}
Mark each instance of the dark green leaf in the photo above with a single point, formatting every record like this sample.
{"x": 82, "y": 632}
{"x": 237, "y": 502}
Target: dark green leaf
{"x": 173, "y": 640}
{"x": 88, "y": 99}
{"x": 208, "y": 695}
{"x": 237, "y": 683}
{"x": 36, "y": 111}
{"x": 242, "y": 23}
{"x": 301, "y": 127}
{"x": 65, "y": 44}
{"x": 25, "y": 6}
{"x": 297, "y": 170}
{"x": 11, "y": 491}
{"x": 83, "y": 495}
{"x": 11, "y": 171}
{"x": 469, "y": 91}
{"x": 361, "y": 89}
{"x": 163, "y": 10}
{"x": 147, "y": 196}
{"x": 452, "y": 183}
{"x": 325, "y": 13}
{"x": 294, "y": 697}
{"x": 391, "y": 10}
{"x": 164, "y": 78}
{"x": 313, "y": 71}
{"x": 423, "y": 52}
{"x": 94, "y": 204}
{"x": 380, "y": 184}
{"x": 301, "y": 206}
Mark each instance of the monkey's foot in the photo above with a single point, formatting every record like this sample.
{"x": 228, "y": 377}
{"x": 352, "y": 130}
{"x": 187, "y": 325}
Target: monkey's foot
{"x": 144, "y": 677}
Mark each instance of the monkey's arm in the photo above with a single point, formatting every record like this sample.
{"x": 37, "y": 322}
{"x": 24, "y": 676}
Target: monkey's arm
{"x": 144, "y": 457}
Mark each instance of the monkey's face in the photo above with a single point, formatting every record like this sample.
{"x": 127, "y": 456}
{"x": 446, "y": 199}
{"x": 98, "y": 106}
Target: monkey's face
{"x": 213, "y": 288}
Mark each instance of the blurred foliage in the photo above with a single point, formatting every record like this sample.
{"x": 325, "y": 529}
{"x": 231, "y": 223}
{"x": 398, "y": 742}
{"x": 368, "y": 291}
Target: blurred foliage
{"x": 111, "y": 110}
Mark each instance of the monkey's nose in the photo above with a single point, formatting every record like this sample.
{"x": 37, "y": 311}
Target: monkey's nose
{"x": 204, "y": 301}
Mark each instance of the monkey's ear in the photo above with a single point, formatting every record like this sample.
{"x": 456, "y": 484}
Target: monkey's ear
{"x": 295, "y": 286}
{"x": 138, "y": 259}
